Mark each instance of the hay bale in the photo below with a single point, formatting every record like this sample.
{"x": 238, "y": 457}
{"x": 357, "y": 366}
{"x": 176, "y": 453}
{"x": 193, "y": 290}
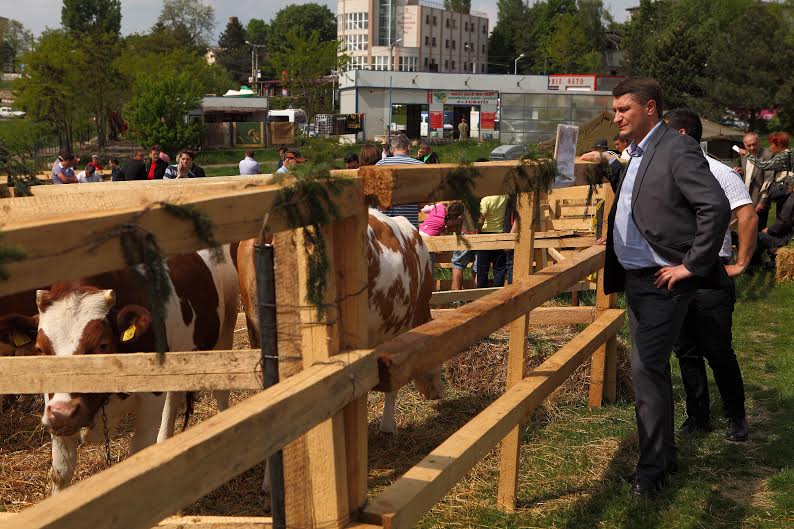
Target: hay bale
{"x": 483, "y": 367}
{"x": 784, "y": 265}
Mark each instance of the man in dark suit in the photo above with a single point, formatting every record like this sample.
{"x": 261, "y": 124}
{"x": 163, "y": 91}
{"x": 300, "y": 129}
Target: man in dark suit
{"x": 134, "y": 169}
{"x": 754, "y": 177}
{"x": 666, "y": 228}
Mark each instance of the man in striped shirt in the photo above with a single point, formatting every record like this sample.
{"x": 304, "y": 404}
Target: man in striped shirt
{"x": 712, "y": 308}
{"x": 401, "y": 155}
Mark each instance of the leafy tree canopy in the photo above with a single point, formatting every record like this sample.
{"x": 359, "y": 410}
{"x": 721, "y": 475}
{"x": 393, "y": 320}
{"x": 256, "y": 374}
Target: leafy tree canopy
{"x": 91, "y": 16}
{"x": 234, "y": 54}
{"x": 156, "y": 113}
{"x": 458, "y": 6}
{"x": 303, "y": 20}
{"x": 194, "y": 19}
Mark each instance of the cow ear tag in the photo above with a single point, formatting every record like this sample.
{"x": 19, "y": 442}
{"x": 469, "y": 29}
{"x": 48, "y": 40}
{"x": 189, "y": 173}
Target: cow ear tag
{"x": 20, "y": 339}
{"x": 129, "y": 334}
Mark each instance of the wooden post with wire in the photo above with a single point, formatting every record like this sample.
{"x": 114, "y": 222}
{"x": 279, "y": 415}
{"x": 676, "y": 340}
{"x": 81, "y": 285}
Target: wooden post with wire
{"x": 603, "y": 371}
{"x": 528, "y": 207}
{"x": 326, "y": 470}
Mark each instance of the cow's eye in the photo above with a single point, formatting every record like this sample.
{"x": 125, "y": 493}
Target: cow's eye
{"x": 104, "y": 348}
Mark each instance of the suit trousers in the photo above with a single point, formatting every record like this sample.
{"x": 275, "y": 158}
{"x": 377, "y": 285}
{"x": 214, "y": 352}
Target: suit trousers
{"x": 656, "y": 316}
{"x": 707, "y": 334}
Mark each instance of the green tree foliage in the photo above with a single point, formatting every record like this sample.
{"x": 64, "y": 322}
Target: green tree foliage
{"x": 234, "y": 53}
{"x": 503, "y": 43}
{"x": 91, "y": 16}
{"x": 714, "y": 57}
{"x": 15, "y": 40}
{"x": 555, "y": 36}
{"x": 156, "y": 113}
{"x": 193, "y": 19}
{"x": 52, "y": 90}
{"x": 458, "y": 6}
{"x": 303, "y": 20}
{"x": 307, "y": 59}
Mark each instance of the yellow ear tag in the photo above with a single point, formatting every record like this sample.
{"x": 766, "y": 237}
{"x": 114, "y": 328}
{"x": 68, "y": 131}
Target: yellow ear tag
{"x": 20, "y": 339}
{"x": 129, "y": 334}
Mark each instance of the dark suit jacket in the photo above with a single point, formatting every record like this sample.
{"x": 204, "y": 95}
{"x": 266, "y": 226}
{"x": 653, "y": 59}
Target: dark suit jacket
{"x": 134, "y": 170}
{"x": 759, "y": 176}
{"x": 678, "y": 207}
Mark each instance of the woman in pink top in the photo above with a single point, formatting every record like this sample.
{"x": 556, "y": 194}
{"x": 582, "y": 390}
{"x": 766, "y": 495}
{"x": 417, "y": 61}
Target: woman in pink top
{"x": 436, "y": 220}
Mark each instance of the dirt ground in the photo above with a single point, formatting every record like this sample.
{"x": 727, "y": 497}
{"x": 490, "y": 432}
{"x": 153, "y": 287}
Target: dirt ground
{"x": 474, "y": 379}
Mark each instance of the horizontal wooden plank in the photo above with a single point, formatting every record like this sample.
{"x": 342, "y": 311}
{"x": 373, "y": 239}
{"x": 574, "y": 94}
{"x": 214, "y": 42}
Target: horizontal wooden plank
{"x": 504, "y": 241}
{"x": 545, "y": 315}
{"x": 445, "y": 297}
{"x": 58, "y": 246}
{"x": 405, "y": 501}
{"x": 578, "y": 225}
{"x": 129, "y": 373}
{"x": 157, "y": 481}
{"x": 429, "y": 345}
{"x": 135, "y": 186}
{"x": 197, "y": 522}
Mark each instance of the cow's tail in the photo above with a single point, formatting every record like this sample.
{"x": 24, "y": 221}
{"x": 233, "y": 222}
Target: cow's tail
{"x": 190, "y": 399}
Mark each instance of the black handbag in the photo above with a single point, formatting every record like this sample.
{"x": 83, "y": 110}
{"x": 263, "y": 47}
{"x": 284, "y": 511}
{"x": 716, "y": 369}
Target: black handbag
{"x": 777, "y": 188}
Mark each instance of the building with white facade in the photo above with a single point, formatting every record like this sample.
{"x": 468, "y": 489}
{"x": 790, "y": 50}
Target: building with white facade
{"x": 412, "y": 36}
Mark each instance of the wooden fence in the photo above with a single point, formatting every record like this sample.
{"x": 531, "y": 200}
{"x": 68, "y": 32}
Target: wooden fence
{"x": 317, "y": 414}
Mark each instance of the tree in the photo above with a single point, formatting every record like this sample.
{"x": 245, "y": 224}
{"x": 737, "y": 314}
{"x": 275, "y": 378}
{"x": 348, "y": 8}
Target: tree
{"x": 234, "y": 52}
{"x": 301, "y": 19}
{"x": 193, "y": 18}
{"x": 15, "y": 40}
{"x": 568, "y": 49}
{"x": 502, "y": 44}
{"x": 93, "y": 15}
{"x": 307, "y": 60}
{"x": 158, "y": 109}
{"x": 458, "y": 6}
{"x": 52, "y": 89}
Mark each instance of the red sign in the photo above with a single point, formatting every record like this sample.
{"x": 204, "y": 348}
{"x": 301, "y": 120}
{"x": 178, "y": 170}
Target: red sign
{"x": 487, "y": 120}
{"x": 436, "y": 120}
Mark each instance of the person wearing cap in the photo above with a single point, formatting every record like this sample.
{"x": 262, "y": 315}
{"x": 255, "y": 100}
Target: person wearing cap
{"x": 292, "y": 157}
{"x": 95, "y": 162}
{"x": 63, "y": 170}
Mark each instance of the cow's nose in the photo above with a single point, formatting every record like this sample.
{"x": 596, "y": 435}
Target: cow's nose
{"x": 61, "y": 414}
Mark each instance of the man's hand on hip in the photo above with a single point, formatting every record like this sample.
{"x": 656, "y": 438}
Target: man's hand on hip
{"x": 670, "y": 275}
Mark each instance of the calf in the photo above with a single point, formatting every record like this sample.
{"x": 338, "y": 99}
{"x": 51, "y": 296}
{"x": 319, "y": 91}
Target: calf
{"x": 400, "y": 283}
{"x": 110, "y": 313}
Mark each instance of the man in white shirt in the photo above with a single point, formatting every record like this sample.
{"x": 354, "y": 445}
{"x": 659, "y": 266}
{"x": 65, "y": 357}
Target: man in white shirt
{"x": 712, "y": 308}
{"x": 89, "y": 175}
{"x": 249, "y": 166}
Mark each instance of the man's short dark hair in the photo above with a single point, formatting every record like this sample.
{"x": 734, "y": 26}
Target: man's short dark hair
{"x": 687, "y": 119}
{"x": 425, "y": 144}
{"x": 293, "y": 151}
{"x": 250, "y": 153}
{"x": 114, "y": 160}
{"x": 155, "y": 147}
{"x": 190, "y": 154}
{"x": 643, "y": 89}
{"x": 351, "y": 157}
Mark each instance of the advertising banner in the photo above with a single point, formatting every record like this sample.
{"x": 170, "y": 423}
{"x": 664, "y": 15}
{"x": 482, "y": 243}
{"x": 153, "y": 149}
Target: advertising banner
{"x": 462, "y": 97}
{"x": 487, "y": 120}
{"x": 436, "y": 120}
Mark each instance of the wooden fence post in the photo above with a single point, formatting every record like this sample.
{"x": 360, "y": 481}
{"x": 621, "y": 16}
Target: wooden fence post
{"x": 350, "y": 251}
{"x": 316, "y": 466}
{"x": 528, "y": 207}
{"x": 604, "y": 360}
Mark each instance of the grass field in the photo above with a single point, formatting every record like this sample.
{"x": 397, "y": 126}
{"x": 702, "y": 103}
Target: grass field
{"x": 572, "y": 464}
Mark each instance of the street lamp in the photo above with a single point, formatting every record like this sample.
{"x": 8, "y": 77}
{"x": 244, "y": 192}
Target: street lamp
{"x": 254, "y": 63}
{"x": 515, "y": 64}
{"x": 391, "y": 53}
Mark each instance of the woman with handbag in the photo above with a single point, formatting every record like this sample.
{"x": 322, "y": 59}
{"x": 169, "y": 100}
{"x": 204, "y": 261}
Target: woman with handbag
{"x": 782, "y": 163}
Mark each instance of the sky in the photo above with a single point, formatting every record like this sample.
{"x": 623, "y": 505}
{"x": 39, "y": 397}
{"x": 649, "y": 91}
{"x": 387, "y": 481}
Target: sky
{"x": 140, "y": 15}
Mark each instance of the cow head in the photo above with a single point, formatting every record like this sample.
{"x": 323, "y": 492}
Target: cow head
{"x": 80, "y": 320}
{"x": 18, "y": 335}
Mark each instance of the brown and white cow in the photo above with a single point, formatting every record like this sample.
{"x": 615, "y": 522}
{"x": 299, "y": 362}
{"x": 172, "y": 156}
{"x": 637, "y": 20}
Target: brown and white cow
{"x": 110, "y": 313}
{"x": 400, "y": 282}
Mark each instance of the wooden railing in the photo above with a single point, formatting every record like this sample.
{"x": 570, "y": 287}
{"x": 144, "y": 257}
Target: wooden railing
{"x": 318, "y": 415}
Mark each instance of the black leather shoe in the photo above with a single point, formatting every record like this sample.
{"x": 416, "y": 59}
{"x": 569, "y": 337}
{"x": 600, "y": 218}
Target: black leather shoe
{"x": 692, "y": 425}
{"x": 643, "y": 488}
{"x": 737, "y": 429}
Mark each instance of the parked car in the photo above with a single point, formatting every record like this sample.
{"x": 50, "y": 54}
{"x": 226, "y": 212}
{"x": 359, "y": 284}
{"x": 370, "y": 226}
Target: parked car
{"x": 7, "y": 112}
